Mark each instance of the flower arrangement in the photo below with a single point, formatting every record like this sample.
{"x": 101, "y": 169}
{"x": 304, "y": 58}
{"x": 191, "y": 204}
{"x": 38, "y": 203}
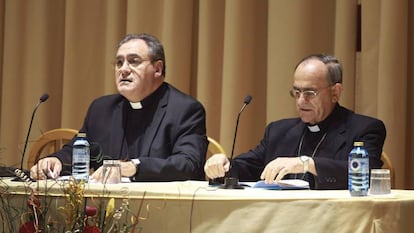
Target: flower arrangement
{"x": 73, "y": 213}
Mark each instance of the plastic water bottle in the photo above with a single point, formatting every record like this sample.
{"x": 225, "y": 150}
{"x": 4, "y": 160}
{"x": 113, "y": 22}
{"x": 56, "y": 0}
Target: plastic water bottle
{"x": 80, "y": 158}
{"x": 358, "y": 170}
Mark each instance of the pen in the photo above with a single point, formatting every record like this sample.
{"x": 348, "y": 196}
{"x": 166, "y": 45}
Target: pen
{"x": 51, "y": 174}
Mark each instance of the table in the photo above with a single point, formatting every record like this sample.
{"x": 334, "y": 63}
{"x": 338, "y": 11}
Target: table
{"x": 193, "y": 206}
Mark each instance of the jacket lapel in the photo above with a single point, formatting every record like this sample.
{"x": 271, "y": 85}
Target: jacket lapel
{"x": 117, "y": 131}
{"x": 337, "y": 137}
{"x": 152, "y": 130}
{"x": 293, "y": 137}
{"x": 288, "y": 144}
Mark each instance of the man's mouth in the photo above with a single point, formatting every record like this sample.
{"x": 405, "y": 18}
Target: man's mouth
{"x": 305, "y": 109}
{"x": 125, "y": 81}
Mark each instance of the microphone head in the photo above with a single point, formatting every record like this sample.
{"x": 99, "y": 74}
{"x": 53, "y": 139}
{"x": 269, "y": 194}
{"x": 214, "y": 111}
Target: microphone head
{"x": 44, "y": 97}
{"x": 247, "y": 99}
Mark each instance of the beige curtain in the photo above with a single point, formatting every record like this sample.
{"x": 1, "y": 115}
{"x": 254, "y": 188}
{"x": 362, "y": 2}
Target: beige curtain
{"x": 217, "y": 51}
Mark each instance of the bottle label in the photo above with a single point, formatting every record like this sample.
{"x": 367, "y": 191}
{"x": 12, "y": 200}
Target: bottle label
{"x": 80, "y": 161}
{"x": 80, "y": 155}
{"x": 358, "y": 169}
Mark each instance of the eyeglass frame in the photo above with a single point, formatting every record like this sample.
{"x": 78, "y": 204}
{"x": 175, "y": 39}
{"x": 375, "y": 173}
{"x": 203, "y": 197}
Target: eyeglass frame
{"x": 308, "y": 93}
{"x": 133, "y": 61}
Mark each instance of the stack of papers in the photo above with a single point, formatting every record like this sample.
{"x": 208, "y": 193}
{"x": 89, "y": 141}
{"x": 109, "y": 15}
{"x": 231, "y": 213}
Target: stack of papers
{"x": 283, "y": 184}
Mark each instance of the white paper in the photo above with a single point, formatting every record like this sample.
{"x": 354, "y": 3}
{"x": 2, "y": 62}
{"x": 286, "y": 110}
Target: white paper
{"x": 283, "y": 184}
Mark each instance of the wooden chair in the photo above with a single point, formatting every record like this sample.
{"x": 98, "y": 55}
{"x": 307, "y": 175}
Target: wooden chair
{"x": 49, "y": 142}
{"x": 388, "y": 164}
{"x": 213, "y": 148}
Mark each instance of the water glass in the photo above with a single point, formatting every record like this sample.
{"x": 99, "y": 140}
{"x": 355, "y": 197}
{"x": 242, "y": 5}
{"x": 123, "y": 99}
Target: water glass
{"x": 111, "y": 171}
{"x": 380, "y": 181}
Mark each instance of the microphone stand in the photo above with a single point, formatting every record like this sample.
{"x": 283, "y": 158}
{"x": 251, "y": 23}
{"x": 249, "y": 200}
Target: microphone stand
{"x": 232, "y": 182}
{"x": 20, "y": 173}
{"x": 42, "y": 99}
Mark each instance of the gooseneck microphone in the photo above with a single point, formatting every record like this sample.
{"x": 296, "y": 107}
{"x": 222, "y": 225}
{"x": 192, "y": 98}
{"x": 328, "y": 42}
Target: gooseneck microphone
{"x": 42, "y": 99}
{"x": 247, "y": 100}
{"x": 231, "y": 182}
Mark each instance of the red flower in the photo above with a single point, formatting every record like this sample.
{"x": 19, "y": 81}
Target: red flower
{"x": 91, "y": 229}
{"x": 27, "y": 227}
{"x": 90, "y": 211}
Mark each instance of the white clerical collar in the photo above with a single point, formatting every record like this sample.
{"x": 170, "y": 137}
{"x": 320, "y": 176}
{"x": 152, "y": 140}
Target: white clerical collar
{"x": 314, "y": 128}
{"x": 136, "y": 105}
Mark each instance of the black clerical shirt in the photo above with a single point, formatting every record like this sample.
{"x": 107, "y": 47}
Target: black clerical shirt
{"x": 136, "y": 122}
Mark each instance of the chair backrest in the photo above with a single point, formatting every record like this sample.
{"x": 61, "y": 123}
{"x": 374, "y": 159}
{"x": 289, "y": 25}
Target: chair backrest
{"x": 388, "y": 164}
{"x": 213, "y": 148}
{"x": 48, "y": 143}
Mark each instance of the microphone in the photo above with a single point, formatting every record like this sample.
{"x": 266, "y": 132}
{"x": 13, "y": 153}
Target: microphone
{"x": 231, "y": 182}
{"x": 42, "y": 99}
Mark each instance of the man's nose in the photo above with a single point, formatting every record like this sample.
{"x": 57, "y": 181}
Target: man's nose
{"x": 125, "y": 66}
{"x": 301, "y": 98}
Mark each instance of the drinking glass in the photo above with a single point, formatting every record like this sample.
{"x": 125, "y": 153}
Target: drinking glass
{"x": 380, "y": 181}
{"x": 111, "y": 171}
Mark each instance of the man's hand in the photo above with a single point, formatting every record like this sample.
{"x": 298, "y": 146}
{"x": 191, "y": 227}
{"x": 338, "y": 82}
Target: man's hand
{"x": 46, "y": 167}
{"x": 281, "y": 166}
{"x": 217, "y": 166}
{"x": 128, "y": 169}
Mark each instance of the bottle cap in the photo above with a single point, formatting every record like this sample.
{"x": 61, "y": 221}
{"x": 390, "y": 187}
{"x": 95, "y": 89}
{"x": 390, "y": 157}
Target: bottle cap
{"x": 358, "y": 143}
{"x": 81, "y": 135}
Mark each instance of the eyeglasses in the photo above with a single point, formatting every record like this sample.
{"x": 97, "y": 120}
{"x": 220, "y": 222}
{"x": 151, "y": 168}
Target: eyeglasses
{"x": 307, "y": 94}
{"x": 133, "y": 61}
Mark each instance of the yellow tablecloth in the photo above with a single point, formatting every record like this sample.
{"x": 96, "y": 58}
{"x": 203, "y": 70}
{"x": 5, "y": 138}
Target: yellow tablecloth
{"x": 193, "y": 206}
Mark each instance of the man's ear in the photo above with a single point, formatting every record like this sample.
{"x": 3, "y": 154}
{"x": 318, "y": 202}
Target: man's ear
{"x": 159, "y": 65}
{"x": 336, "y": 92}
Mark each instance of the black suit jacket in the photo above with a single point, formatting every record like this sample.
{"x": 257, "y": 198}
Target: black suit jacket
{"x": 174, "y": 144}
{"x": 282, "y": 139}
